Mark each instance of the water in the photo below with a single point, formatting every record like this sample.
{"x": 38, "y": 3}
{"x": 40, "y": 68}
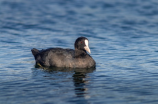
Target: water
{"x": 123, "y": 38}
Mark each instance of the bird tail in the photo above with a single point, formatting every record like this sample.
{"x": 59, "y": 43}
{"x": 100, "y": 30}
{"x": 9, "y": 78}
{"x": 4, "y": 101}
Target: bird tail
{"x": 34, "y": 51}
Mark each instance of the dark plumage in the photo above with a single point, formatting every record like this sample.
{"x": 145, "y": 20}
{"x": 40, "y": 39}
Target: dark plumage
{"x": 58, "y": 57}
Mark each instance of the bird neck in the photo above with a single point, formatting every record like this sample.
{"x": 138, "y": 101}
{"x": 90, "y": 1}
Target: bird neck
{"x": 80, "y": 53}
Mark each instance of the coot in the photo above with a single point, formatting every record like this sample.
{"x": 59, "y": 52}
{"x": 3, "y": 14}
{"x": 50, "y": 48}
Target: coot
{"x": 69, "y": 58}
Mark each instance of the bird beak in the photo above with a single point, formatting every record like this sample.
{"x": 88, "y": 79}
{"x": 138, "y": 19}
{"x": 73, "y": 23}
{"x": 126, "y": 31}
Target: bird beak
{"x": 87, "y": 49}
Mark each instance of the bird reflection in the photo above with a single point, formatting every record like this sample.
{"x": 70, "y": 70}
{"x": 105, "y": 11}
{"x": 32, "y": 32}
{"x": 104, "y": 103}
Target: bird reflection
{"x": 79, "y": 78}
{"x": 80, "y": 81}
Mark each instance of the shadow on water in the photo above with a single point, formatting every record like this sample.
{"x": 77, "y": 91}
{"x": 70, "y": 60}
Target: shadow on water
{"x": 79, "y": 78}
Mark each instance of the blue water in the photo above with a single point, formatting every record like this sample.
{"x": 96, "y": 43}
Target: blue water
{"x": 123, "y": 38}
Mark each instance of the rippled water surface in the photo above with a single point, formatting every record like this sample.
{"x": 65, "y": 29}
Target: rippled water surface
{"x": 123, "y": 38}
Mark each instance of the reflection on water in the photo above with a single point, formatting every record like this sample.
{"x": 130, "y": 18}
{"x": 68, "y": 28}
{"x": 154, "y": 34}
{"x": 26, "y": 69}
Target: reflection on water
{"x": 80, "y": 84}
{"x": 80, "y": 81}
{"x": 78, "y": 76}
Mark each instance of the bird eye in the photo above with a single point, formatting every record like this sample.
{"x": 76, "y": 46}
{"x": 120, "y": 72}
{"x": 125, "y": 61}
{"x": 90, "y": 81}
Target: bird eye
{"x": 81, "y": 42}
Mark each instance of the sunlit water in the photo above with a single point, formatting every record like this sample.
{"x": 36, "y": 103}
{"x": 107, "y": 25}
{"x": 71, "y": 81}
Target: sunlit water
{"x": 123, "y": 38}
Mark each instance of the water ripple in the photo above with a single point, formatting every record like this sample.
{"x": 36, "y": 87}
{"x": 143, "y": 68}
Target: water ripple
{"x": 123, "y": 41}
